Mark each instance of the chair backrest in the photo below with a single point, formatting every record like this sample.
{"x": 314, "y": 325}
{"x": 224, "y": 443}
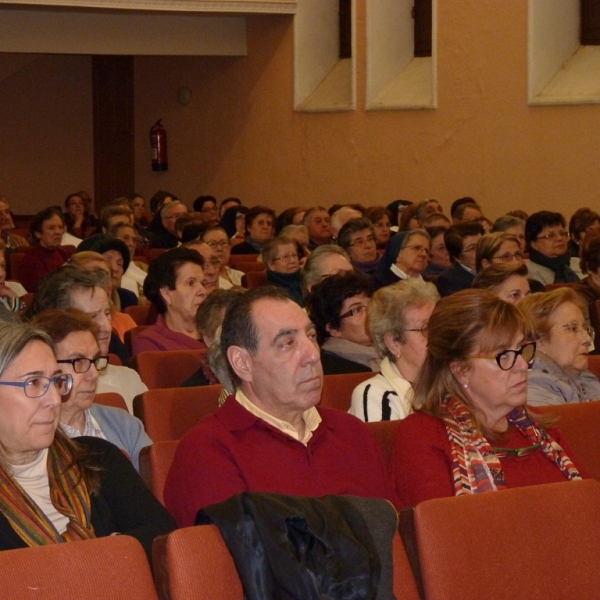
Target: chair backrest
{"x": 111, "y": 399}
{"x": 14, "y": 263}
{"x": 142, "y": 314}
{"x": 250, "y": 267}
{"x": 155, "y": 462}
{"x": 540, "y": 541}
{"x": 594, "y": 363}
{"x": 152, "y": 253}
{"x": 580, "y": 423}
{"x": 384, "y": 433}
{"x": 167, "y": 368}
{"x": 113, "y": 359}
{"x": 168, "y": 414}
{"x": 112, "y": 567}
{"x": 554, "y": 286}
{"x": 131, "y": 334}
{"x": 594, "y": 312}
{"x": 337, "y": 389}
{"x": 254, "y": 279}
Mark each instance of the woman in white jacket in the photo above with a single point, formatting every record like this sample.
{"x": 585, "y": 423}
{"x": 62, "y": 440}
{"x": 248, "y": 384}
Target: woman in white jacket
{"x": 397, "y": 320}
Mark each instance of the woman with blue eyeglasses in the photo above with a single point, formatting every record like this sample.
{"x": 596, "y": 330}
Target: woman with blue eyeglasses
{"x": 471, "y": 432}
{"x": 53, "y": 489}
{"x": 560, "y": 371}
{"x": 78, "y": 354}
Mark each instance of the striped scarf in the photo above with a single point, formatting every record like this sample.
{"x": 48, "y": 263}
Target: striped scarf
{"x": 68, "y": 493}
{"x": 475, "y": 466}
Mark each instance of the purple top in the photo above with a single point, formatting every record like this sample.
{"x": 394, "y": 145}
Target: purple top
{"x": 160, "y": 337}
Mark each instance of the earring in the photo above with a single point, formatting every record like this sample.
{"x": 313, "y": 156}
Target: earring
{"x": 465, "y": 385}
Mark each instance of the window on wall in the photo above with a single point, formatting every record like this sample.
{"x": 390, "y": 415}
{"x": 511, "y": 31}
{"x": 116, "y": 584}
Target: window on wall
{"x": 422, "y": 14}
{"x": 345, "y": 12}
{"x": 590, "y": 23}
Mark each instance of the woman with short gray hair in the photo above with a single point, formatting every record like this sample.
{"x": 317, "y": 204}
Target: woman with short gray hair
{"x": 397, "y": 320}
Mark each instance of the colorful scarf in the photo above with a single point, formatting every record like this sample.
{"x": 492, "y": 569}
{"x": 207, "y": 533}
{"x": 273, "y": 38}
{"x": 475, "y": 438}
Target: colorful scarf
{"x": 475, "y": 466}
{"x": 68, "y": 493}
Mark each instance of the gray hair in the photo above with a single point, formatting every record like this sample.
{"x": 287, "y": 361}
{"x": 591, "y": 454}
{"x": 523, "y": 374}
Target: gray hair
{"x": 386, "y": 312}
{"x": 313, "y": 269}
{"x": 168, "y": 206}
{"x": 13, "y": 339}
{"x": 411, "y": 233}
{"x": 506, "y": 222}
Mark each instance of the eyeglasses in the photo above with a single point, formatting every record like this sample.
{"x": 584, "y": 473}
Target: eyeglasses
{"x": 221, "y": 244}
{"x": 520, "y": 452}
{"x": 214, "y": 262}
{"x": 576, "y": 328}
{"x": 506, "y": 359}
{"x": 287, "y": 257}
{"x": 37, "y": 385}
{"x": 422, "y": 329}
{"x": 418, "y": 249}
{"x": 210, "y": 209}
{"x": 509, "y": 256}
{"x": 561, "y": 235}
{"x": 82, "y": 365}
{"x": 363, "y": 241}
{"x": 355, "y": 310}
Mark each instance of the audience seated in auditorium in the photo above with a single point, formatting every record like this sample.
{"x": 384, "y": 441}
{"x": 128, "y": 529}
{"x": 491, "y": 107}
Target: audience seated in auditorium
{"x": 259, "y": 230}
{"x": 233, "y": 222}
{"x": 512, "y": 225}
{"x": 560, "y": 371}
{"x": 357, "y": 238}
{"x": 395, "y": 210}
{"x": 497, "y": 248}
{"x": 165, "y": 234}
{"x": 174, "y": 286}
{"x": 280, "y": 255}
{"x": 397, "y": 318}
{"x": 439, "y": 258}
{"x": 10, "y": 291}
{"x": 135, "y": 273}
{"x": 546, "y": 241}
{"x": 583, "y": 222}
{"x": 207, "y": 206}
{"x": 461, "y": 242}
{"x": 60, "y": 490}
{"x": 589, "y": 287}
{"x": 318, "y": 223}
{"x": 77, "y": 352}
{"x": 7, "y": 225}
{"x": 323, "y": 262}
{"x": 72, "y": 287}
{"x": 341, "y": 216}
{"x": 407, "y": 255}
{"x": 137, "y": 204}
{"x": 465, "y": 210}
{"x": 289, "y": 216}
{"x": 381, "y": 220}
{"x": 407, "y": 220}
{"x": 471, "y": 432}
{"x": 228, "y": 203}
{"x": 212, "y": 264}
{"x": 426, "y": 209}
{"x": 270, "y": 436}
{"x": 338, "y": 308}
{"x": 218, "y": 240}
{"x": 46, "y": 255}
{"x": 157, "y": 202}
{"x": 507, "y": 280}
{"x": 78, "y": 223}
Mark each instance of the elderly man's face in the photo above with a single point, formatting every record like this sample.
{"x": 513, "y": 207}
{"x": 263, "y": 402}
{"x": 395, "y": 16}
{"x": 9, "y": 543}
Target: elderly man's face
{"x": 284, "y": 376}
{"x": 171, "y": 217}
{"x": 6, "y": 221}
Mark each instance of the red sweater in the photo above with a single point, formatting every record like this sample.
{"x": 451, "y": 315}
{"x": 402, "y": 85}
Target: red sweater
{"x": 422, "y": 463}
{"x": 233, "y": 451}
{"x": 39, "y": 261}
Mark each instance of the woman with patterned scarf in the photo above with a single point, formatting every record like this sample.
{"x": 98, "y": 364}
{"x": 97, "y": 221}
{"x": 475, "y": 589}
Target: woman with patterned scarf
{"x": 472, "y": 432}
{"x": 53, "y": 489}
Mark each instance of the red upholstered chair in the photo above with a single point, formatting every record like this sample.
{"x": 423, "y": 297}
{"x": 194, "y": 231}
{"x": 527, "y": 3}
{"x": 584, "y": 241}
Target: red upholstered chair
{"x": 168, "y": 414}
{"x": 194, "y": 562}
{"x": 337, "y": 389}
{"x": 155, "y": 462}
{"x": 384, "y": 433}
{"x": 113, "y": 359}
{"x": 541, "y": 541}
{"x": 250, "y": 266}
{"x": 253, "y": 279}
{"x": 236, "y": 259}
{"x": 111, "y": 399}
{"x": 167, "y": 368}
{"x": 142, "y": 314}
{"x": 131, "y": 334}
{"x": 112, "y": 567}
{"x": 554, "y": 286}
{"x": 594, "y": 363}
{"x": 580, "y": 423}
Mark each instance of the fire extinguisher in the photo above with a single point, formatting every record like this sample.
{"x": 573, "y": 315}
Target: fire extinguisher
{"x": 158, "y": 145}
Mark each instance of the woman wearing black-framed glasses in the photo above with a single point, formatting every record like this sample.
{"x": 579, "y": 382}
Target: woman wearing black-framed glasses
{"x": 472, "y": 432}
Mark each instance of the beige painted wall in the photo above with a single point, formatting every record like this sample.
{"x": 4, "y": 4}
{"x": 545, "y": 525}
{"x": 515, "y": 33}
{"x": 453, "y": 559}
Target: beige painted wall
{"x": 240, "y": 136}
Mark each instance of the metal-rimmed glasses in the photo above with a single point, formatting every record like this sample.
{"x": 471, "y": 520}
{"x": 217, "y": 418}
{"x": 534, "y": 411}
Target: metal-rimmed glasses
{"x": 362, "y": 242}
{"x": 422, "y": 329}
{"x": 508, "y": 256}
{"x": 355, "y": 310}
{"x": 82, "y": 365}
{"x": 287, "y": 257}
{"x": 507, "y": 358}
{"x": 222, "y": 244}
{"x": 575, "y": 327}
{"x": 37, "y": 385}
{"x": 561, "y": 235}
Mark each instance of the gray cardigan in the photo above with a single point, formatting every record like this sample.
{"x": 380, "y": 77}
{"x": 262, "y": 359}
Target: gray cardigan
{"x": 547, "y": 383}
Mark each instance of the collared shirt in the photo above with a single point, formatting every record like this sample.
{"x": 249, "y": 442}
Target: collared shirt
{"x": 92, "y": 428}
{"x": 467, "y": 269}
{"x": 400, "y": 273}
{"x": 311, "y": 418}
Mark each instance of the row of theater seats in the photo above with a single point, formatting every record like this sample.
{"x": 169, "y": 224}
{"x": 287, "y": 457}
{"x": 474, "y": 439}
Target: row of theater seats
{"x": 534, "y": 542}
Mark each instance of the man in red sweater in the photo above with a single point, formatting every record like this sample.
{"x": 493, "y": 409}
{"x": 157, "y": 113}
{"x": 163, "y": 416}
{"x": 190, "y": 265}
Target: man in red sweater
{"x": 270, "y": 436}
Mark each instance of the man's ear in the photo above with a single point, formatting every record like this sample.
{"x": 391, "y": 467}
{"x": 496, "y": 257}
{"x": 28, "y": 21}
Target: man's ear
{"x": 241, "y": 362}
{"x": 335, "y": 333}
